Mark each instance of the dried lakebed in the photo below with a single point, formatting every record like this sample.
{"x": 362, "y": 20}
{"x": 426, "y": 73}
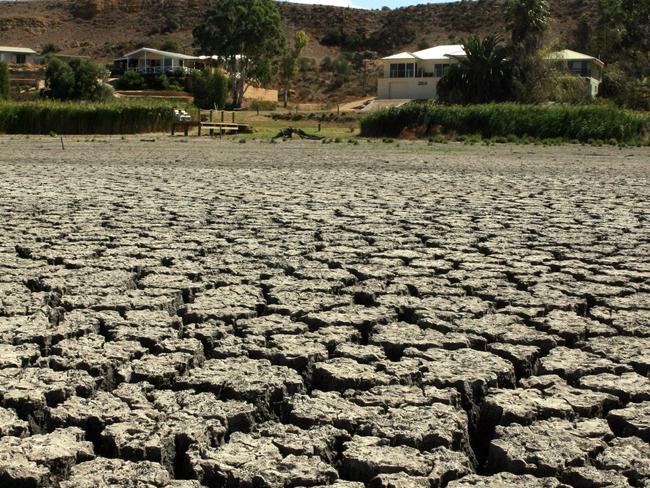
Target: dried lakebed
{"x": 261, "y": 316}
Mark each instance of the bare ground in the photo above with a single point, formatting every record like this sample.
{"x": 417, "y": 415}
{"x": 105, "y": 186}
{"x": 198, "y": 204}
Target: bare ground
{"x": 254, "y": 315}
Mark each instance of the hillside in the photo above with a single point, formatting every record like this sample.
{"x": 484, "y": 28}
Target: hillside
{"x": 104, "y": 29}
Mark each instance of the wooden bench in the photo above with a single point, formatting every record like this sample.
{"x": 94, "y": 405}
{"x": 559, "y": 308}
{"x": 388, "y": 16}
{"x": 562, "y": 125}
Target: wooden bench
{"x": 185, "y": 125}
{"x": 224, "y": 127}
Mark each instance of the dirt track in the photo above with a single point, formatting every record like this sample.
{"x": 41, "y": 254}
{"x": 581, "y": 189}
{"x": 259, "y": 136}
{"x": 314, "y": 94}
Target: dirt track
{"x": 256, "y": 315}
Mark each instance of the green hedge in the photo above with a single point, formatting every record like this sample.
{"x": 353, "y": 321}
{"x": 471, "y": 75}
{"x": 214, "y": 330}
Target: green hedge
{"x": 119, "y": 117}
{"x": 571, "y": 122}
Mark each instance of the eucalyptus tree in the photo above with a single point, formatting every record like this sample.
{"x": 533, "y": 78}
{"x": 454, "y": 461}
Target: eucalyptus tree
{"x": 247, "y": 37}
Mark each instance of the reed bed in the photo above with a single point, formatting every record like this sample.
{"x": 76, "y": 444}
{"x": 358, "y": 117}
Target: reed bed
{"x": 117, "y": 117}
{"x": 570, "y": 122}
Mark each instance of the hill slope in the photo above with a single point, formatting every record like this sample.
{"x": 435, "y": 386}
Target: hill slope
{"x": 104, "y": 29}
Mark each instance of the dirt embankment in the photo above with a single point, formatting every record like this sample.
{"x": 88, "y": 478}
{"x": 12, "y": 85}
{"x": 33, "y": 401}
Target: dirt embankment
{"x": 103, "y": 28}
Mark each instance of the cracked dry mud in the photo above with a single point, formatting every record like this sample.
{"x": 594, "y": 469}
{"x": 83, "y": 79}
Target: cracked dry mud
{"x": 299, "y": 315}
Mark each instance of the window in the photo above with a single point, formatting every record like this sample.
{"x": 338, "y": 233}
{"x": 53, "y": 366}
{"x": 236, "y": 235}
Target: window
{"x": 441, "y": 70}
{"x": 168, "y": 64}
{"x": 402, "y": 70}
{"x": 579, "y": 68}
{"x": 21, "y": 59}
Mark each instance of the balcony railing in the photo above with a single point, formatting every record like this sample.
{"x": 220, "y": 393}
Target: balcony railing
{"x": 153, "y": 70}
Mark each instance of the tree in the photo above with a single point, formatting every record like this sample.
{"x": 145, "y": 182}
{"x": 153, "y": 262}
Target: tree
{"x": 86, "y": 79}
{"x": 49, "y": 48}
{"x": 623, "y": 42}
{"x": 77, "y": 80}
{"x": 4, "y": 81}
{"x": 246, "y": 35}
{"x": 483, "y": 75}
{"x": 210, "y": 89}
{"x": 59, "y": 80}
{"x": 289, "y": 63}
{"x": 131, "y": 80}
{"x": 170, "y": 45}
{"x": 527, "y": 21}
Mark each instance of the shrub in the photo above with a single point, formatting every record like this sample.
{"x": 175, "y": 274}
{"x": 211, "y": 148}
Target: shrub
{"x": 131, "y": 80}
{"x": 77, "y": 80}
{"x": 306, "y": 64}
{"x": 264, "y": 105}
{"x": 210, "y": 89}
{"x": 59, "y": 80}
{"x": 86, "y": 79}
{"x": 104, "y": 93}
{"x": 116, "y": 117}
{"x": 170, "y": 45}
{"x": 49, "y": 48}
{"x": 572, "y": 89}
{"x": 161, "y": 82}
{"x": 4, "y": 81}
{"x": 581, "y": 123}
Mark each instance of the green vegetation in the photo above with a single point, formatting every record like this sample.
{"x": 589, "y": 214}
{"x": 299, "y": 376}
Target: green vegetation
{"x": 77, "y": 80}
{"x": 580, "y": 123}
{"x": 49, "y": 48}
{"x": 248, "y": 35}
{"x": 131, "y": 80}
{"x": 170, "y": 45}
{"x": 44, "y": 117}
{"x": 621, "y": 35}
{"x": 289, "y": 63}
{"x": 263, "y": 106}
{"x": 4, "y": 81}
{"x": 210, "y": 89}
{"x": 483, "y": 75}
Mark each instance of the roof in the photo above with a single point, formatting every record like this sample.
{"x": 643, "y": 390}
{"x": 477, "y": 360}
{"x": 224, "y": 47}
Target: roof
{"x": 19, "y": 50}
{"x": 166, "y": 54}
{"x": 433, "y": 53}
{"x": 404, "y": 55}
{"x": 441, "y": 52}
{"x": 569, "y": 55}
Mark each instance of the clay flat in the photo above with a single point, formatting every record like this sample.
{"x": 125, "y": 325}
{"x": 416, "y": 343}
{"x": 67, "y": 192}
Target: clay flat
{"x": 193, "y": 312}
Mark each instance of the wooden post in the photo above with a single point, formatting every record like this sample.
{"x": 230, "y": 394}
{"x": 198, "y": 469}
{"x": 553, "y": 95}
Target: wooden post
{"x": 233, "y": 117}
{"x": 210, "y": 115}
{"x": 223, "y": 114}
{"x": 318, "y": 127}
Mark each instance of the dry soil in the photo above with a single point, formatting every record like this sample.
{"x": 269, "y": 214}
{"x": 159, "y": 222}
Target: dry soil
{"x": 184, "y": 312}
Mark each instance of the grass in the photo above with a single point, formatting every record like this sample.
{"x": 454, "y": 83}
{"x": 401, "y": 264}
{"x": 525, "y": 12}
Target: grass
{"x": 585, "y": 123}
{"x": 265, "y": 127}
{"x": 117, "y": 117}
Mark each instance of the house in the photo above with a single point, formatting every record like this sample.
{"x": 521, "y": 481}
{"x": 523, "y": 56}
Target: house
{"x": 153, "y": 61}
{"x": 415, "y": 76}
{"x": 577, "y": 64}
{"x": 18, "y": 55}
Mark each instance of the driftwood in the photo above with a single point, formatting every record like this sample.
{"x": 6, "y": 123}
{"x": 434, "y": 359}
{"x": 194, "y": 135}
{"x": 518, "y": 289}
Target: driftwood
{"x": 290, "y": 131}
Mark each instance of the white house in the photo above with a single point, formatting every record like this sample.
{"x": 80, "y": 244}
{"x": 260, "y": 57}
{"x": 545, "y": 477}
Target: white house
{"x": 17, "y": 55}
{"x": 415, "y": 76}
{"x": 587, "y": 67}
{"x": 153, "y": 61}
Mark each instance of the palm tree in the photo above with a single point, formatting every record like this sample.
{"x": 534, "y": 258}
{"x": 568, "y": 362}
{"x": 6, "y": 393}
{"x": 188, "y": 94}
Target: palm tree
{"x": 483, "y": 75}
{"x": 527, "y": 20}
